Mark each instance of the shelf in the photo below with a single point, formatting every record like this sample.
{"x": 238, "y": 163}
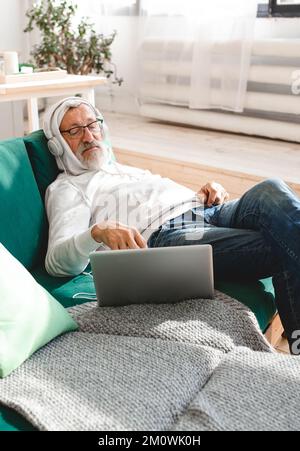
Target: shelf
{"x": 35, "y": 76}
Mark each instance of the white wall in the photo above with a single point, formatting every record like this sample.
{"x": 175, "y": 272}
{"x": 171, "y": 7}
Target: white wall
{"x": 112, "y": 97}
{"x": 10, "y": 25}
{"x": 12, "y": 38}
{"x": 281, "y": 28}
{"x": 124, "y": 55}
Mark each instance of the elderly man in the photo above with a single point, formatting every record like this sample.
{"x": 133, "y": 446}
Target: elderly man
{"x": 97, "y": 202}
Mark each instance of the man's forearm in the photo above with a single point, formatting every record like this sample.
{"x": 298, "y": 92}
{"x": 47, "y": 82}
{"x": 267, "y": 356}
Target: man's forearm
{"x": 70, "y": 257}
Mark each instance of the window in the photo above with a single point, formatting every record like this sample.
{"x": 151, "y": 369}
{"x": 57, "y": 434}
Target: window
{"x": 288, "y": 8}
{"x": 279, "y": 8}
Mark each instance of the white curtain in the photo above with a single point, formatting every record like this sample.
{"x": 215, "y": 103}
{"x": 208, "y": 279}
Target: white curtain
{"x": 196, "y": 53}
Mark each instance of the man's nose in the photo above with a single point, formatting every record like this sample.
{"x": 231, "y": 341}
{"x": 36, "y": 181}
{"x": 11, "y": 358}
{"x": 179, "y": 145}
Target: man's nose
{"x": 87, "y": 135}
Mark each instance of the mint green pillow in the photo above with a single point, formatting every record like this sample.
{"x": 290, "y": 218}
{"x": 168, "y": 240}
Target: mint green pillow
{"x": 29, "y": 316}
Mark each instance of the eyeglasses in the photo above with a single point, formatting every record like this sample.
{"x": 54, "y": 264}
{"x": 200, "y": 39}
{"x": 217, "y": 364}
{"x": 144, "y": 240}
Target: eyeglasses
{"x": 78, "y": 132}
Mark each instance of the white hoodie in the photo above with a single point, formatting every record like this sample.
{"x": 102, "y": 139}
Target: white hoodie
{"x": 131, "y": 196}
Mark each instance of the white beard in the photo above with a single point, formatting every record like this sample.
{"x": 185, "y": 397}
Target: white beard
{"x": 96, "y": 159}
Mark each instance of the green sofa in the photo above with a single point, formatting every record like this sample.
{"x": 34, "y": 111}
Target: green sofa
{"x": 26, "y": 169}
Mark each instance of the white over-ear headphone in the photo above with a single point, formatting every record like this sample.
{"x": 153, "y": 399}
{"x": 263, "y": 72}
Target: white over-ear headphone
{"x": 55, "y": 147}
{"x": 54, "y": 144}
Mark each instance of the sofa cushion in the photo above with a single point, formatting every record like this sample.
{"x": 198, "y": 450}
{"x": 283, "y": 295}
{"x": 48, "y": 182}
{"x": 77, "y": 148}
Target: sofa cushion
{"x": 64, "y": 288}
{"x": 12, "y": 421}
{"x": 23, "y": 218}
{"x": 258, "y": 295}
{"x": 29, "y": 316}
{"x": 43, "y": 162}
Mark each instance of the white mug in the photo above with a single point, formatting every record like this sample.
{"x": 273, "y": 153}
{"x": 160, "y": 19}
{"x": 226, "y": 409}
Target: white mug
{"x": 11, "y": 63}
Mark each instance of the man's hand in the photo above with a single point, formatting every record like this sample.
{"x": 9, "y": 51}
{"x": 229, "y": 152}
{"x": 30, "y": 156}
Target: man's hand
{"x": 213, "y": 194}
{"x": 118, "y": 236}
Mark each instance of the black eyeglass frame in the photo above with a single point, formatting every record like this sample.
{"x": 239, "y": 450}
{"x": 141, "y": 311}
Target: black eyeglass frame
{"x": 81, "y": 127}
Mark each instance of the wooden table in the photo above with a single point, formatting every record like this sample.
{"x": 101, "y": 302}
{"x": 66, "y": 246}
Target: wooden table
{"x": 65, "y": 86}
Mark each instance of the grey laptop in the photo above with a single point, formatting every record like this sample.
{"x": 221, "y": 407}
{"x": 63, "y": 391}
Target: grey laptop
{"x": 153, "y": 275}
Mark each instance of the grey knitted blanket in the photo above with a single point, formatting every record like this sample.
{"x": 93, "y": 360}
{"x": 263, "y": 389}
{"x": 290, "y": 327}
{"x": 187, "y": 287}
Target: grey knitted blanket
{"x": 195, "y": 365}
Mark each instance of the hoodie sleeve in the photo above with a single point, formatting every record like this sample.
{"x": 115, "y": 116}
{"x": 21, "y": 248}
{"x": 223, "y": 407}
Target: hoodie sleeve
{"x": 70, "y": 241}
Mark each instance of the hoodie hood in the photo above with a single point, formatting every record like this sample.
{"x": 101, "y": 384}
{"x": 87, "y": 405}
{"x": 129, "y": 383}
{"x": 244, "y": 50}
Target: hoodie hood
{"x": 68, "y": 162}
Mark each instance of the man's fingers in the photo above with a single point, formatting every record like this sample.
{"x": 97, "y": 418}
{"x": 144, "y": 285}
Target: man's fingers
{"x": 213, "y": 194}
{"x": 202, "y": 195}
{"x": 131, "y": 244}
{"x": 212, "y": 197}
{"x": 135, "y": 241}
{"x": 113, "y": 245}
{"x": 122, "y": 244}
{"x": 140, "y": 240}
{"x": 217, "y": 197}
{"x": 128, "y": 238}
{"x": 224, "y": 197}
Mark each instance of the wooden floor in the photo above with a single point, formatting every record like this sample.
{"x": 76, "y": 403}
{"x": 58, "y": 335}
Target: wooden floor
{"x": 254, "y": 156}
{"x": 240, "y": 161}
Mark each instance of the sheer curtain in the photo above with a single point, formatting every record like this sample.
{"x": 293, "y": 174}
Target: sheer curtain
{"x": 196, "y": 53}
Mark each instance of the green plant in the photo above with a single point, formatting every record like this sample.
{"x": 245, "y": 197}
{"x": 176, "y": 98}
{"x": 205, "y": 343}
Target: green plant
{"x": 79, "y": 50}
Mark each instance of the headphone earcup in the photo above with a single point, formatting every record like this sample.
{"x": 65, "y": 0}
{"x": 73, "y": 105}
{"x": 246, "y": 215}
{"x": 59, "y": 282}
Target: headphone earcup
{"x": 55, "y": 147}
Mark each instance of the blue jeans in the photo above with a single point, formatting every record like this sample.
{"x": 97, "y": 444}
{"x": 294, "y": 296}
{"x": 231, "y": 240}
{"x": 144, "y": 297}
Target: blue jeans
{"x": 253, "y": 237}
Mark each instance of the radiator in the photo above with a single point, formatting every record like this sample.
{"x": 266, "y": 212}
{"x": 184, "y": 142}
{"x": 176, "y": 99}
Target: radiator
{"x": 272, "y": 102}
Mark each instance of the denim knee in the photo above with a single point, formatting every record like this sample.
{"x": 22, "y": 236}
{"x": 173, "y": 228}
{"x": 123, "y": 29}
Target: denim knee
{"x": 272, "y": 184}
{"x": 272, "y": 187}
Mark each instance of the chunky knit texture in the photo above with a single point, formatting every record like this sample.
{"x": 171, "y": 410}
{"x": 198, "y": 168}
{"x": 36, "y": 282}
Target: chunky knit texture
{"x": 195, "y": 365}
{"x": 221, "y": 323}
